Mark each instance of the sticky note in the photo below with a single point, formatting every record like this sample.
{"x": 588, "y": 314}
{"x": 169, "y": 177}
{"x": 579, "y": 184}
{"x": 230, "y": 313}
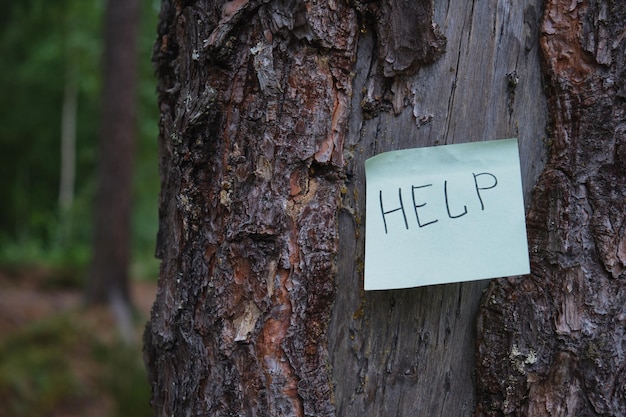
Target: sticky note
{"x": 444, "y": 214}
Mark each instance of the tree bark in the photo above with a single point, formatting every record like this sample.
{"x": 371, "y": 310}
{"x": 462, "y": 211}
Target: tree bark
{"x": 108, "y": 277}
{"x": 552, "y": 344}
{"x": 268, "y": 110}
{"x": 254, "y": 100}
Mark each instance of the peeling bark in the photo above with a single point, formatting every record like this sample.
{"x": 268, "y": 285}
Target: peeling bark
{"x": 407, "y": 37}
{"x": 552, "y": 343}
{"x": 254, "y": 98}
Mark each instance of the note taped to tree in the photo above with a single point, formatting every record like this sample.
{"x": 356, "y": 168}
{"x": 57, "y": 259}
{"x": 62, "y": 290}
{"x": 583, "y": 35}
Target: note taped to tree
{"x": 444, "y": 214}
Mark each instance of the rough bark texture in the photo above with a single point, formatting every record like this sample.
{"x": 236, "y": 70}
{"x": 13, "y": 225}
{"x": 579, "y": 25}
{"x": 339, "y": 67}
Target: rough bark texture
{"x": 268, "y": 110}
{"x": 108, "y": 278}
{"x": 254, "y": 99}
{"x": 552, "y": 343}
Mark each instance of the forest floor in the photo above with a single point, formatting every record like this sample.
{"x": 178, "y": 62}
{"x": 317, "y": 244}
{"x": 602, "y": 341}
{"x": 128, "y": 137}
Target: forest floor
{"x": 61, "y": 359}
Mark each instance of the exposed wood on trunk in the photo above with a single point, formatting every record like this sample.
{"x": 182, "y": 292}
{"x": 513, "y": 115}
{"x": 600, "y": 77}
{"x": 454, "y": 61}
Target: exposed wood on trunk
{"x": 552, "y": 344}
{"x": 410, "y": 352}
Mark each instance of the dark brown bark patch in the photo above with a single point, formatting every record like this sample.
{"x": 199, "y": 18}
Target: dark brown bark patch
{"x": 406, "y": 40}
{"x": 406, "y": 35}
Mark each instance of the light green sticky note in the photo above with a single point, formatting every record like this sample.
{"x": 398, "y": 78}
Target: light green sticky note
{"x": 444, "y": 214}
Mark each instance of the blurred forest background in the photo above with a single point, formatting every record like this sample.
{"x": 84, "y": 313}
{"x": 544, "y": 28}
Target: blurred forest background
{"x": 44, "y": 47}
{"x": 56, "y": 357}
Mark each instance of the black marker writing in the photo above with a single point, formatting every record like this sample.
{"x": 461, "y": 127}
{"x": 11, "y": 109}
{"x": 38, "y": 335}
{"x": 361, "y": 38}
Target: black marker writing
{"x": 495, "y": 182}
{"x": 406, "y": 223}
{"x": 445, "y": 193}
{"x": 415, "y": 205}
{"x": 451, "y": 195}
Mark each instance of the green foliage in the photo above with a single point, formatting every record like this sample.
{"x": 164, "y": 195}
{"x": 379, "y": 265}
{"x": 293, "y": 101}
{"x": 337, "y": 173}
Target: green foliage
{"x": 43, "y": 45}
{"x": 32, "y": 77}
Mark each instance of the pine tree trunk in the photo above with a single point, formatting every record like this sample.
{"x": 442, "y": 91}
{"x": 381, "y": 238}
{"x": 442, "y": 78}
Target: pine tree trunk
{"x": 552, "y": 344}
{"x": 108, "y": 277}
{"x": 254, "y": 100}
{"x": 268, "y": 111}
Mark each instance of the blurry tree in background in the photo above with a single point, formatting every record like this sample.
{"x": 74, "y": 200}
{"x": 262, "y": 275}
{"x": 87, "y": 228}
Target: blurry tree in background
{"x": 57, "y": 358}
{"x": 51, "y": 62}
{"x": 108, "y": 280}
{"x": 108, "y": 277}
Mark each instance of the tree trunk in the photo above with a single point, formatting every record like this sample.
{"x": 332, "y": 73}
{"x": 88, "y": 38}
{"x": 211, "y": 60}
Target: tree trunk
{"x": 254, "y": 100}
{"x": 268, "y": 111}
{"x": 552, "y": 344}
{"x": 68, "y": 143}
{"x": 108, "y": 278}
{"x": 68, "y": 154}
